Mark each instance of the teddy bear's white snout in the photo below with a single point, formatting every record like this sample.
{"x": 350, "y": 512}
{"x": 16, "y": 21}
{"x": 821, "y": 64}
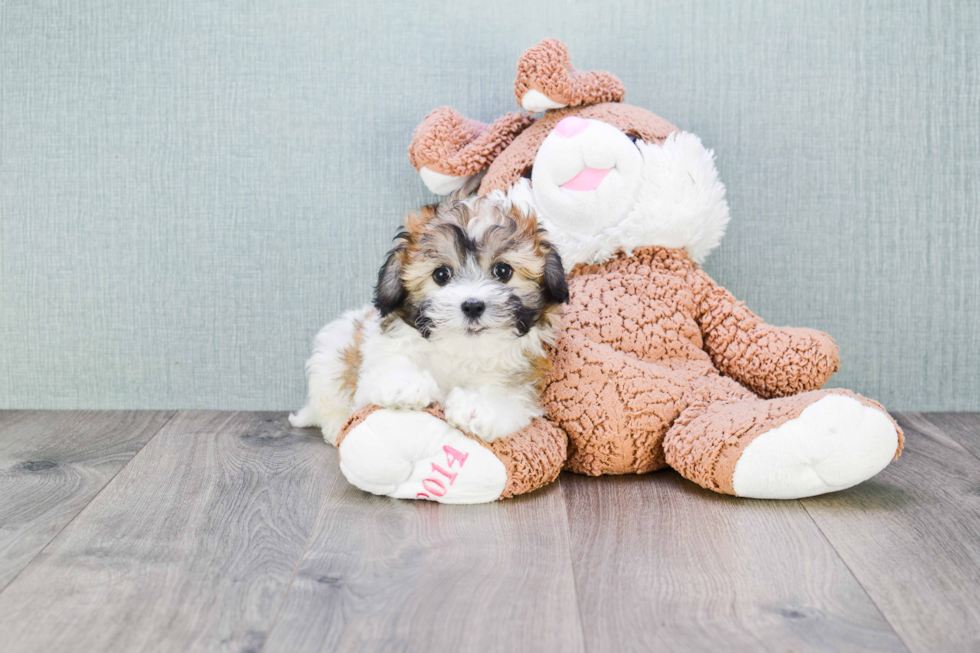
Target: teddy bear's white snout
{"x": 586, "y": 175}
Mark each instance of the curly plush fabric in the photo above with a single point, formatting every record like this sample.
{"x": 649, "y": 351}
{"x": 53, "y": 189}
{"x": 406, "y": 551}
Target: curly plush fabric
{"x": 614, "y": 408}
{"x": 547, "y": 68}
{"x": 533, "y": 458}
{"x": 768, "y": 361}
{"x": 637, "y": 372}
{"x": 518, "y": 159}
{"x": 449, "y": 143}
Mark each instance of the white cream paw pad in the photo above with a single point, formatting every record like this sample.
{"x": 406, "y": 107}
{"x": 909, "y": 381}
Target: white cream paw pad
{"x": 413, "y": 455}
{"x": 835, "y": 443}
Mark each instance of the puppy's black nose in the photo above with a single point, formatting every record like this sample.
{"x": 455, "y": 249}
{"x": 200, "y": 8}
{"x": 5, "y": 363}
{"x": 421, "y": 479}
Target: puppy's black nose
{"x": 473, "y": 308}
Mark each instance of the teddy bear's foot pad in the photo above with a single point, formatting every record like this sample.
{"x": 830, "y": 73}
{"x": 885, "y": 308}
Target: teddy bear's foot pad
{"x": 413, "y": 455}
{"x": 835, "y": 443}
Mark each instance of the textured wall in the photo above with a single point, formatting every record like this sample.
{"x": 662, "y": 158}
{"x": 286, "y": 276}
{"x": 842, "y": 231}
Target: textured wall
{"x": 190, "y": 189}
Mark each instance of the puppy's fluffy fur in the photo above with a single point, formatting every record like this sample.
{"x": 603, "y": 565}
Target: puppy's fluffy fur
{"x": 465, "y": 305}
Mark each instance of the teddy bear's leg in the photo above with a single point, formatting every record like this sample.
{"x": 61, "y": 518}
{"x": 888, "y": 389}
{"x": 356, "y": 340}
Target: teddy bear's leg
{"x": 417, "y": 455}
{"x": 787, "y": 448}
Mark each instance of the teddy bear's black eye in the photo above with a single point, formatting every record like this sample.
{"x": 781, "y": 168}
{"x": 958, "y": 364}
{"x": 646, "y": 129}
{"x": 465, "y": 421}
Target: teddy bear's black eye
{"x": 632, "y": 138}
{"x": 503, "y": 272}
{"x": 442, "y": 275}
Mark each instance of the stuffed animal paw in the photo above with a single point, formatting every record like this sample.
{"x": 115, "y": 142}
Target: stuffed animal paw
{"x": 414, "y": 455}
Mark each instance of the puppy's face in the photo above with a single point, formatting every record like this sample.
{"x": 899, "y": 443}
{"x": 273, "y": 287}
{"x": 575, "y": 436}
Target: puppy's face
{"x": 471, "y": 267}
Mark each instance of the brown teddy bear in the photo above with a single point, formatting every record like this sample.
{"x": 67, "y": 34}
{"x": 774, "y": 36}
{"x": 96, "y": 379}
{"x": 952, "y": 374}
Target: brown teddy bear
{"x": 656, "y": 365}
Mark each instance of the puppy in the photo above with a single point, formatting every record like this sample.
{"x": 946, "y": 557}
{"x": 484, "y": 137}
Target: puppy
{"x": 465, "y": 305}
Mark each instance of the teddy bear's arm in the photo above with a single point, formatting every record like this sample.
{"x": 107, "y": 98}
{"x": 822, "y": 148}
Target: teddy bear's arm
{"x": 770, "y": 361}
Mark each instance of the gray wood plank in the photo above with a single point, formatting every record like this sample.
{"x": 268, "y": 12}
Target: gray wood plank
{"x": 388, "y": 575}
{"x": 911, "y": 536}
{"x": 190, "y": 547}
{"x": 661, "y": 564}
{"x": 964, "y": 428}
{"x": 51, "y": 465}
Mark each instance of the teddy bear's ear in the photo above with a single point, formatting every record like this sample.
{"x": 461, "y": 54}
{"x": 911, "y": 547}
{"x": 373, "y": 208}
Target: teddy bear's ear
{"x": 448, "y": 149}
{"x": 547, "y": 80}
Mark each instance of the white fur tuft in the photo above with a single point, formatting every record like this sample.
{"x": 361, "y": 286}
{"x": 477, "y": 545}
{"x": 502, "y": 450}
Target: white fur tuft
{"x": 327, "y": 405}
{"x": 681, "y": 204}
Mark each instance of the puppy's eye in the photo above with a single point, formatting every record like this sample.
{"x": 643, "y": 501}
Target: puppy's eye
{"x": 442, "y": 275}
{"x": 503, "y": 272}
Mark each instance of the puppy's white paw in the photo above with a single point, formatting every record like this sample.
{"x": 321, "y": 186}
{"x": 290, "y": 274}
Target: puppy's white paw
{"x": 413, "y": 455}
{"x": 406, "y": 389}
{"x": 486, "y": 416}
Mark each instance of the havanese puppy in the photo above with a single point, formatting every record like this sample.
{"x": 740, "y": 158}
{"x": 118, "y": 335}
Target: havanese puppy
{"x": 465, "y": 306}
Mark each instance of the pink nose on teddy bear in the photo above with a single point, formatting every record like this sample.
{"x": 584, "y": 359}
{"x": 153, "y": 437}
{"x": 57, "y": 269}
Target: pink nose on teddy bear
{"x": 571, "y": 126}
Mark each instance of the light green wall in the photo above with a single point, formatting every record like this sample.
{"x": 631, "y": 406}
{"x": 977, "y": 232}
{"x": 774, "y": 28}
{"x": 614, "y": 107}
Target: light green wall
{"x": 190, "y": 189}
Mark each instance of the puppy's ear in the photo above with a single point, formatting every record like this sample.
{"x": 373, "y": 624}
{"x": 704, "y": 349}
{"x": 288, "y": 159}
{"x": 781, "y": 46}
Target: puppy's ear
{"x": 389, "y": 294}
{"x": 555, "y": 284}
{"x": 416, "y": 221}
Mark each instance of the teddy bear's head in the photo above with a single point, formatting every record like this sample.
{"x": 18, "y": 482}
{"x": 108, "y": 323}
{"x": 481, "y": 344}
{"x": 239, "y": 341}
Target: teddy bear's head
{"x": 602, "y": 176}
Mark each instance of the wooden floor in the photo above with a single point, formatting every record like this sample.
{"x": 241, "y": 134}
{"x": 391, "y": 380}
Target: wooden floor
{"x": 163, "y": 531}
